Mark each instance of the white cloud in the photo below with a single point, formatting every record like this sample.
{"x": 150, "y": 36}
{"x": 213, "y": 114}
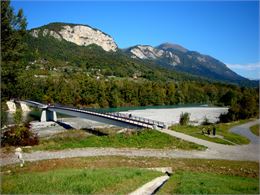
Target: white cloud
{"x": 251, "y": 70}
{"x": 251, "y": 66}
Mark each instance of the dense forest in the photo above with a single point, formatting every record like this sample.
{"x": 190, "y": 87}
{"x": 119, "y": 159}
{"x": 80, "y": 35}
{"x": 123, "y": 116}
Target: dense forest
{"x": 60, "y": 72}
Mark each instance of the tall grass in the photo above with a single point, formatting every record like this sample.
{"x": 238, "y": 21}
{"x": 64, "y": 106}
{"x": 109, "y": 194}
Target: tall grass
{"x": 77, "y": 181}
{"x": 209, "y": 183}
{"x": 140, "y": 139}
{"x": 255, "y": 129}
{"x": 222, "y": 129}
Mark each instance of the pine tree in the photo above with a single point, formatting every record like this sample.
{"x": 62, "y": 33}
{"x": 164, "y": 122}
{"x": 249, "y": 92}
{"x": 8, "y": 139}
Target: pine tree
{"x": 13, "y": 29}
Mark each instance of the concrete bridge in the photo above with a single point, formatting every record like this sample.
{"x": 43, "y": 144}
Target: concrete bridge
{"x": 115, "y": 118}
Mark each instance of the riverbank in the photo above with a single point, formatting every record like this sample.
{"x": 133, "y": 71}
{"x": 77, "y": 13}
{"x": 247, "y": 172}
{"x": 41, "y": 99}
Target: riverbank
{"x": 171, "y": 116}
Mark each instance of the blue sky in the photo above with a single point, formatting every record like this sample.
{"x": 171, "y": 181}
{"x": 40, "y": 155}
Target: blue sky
{"x": 228, "y": 31}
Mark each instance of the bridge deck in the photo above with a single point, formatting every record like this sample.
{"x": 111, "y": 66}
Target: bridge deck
{"x": 115, "y": 116}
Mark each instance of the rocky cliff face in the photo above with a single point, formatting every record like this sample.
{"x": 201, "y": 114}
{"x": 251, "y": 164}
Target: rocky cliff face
{"x": 149, "y": 52}
{"x": 79, "y": 34}
{"x": 179, "y": 58}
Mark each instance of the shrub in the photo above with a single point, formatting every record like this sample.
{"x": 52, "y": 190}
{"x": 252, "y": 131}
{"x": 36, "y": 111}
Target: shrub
{"x": 184, "y": 118}
{"x": 18, "y": 115}
{"x": 19, "y": 136}
{"x": 206, "y": 121}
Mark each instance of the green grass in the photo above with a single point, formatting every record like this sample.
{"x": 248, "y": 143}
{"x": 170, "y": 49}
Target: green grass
{"x": 222, "y": 129}
{"x": 141, "y": 139}
{"x": 77, "y": 181}
{"x": 255, "y": 129}
{"x": 183, "y": 182}
{"x": 222, "y": 176}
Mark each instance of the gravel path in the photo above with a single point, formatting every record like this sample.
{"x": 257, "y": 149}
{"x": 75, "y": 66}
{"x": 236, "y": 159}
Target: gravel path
{"x": 244, "y": 130}
{"x": 248, "y": 152}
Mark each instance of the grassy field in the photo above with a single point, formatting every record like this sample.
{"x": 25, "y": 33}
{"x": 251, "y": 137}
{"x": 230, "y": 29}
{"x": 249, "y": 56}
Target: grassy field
{"x": 78, "y": 181}
{"x": 255, "y": 129}
{"x": 222, "y": 176}
{"x": 140, "y": 139}
{"x": 209, "y": 183}
{"x": 221, "y": 130}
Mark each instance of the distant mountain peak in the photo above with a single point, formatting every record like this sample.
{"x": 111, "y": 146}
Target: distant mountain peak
{"x": 167, "y": 46}
{"x": 79, "y": 34}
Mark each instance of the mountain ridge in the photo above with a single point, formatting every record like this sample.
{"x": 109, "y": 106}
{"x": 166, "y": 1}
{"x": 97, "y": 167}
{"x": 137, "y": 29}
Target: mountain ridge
{"x": 82, "y": 35}
{"x": 168, "y": 55}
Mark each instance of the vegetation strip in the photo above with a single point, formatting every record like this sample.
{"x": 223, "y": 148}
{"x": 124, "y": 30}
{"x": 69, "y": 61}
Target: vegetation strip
{"x": 140, "y": 139}
{"x": 255, "y": 129}
{"x": 221, "y": 130}
{"x": 205, "y": 176}
{"x": 77, "y": 181}
{"x": 183, "y": 182}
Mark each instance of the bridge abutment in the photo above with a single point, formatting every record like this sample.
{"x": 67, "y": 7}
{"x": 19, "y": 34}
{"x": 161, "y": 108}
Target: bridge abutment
{"x": 48, "y": 115}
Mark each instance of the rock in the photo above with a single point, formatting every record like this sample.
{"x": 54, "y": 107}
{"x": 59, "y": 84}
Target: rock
{"x": 79, "y": 34}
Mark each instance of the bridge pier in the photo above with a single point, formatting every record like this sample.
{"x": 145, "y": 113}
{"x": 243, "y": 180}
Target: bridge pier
{"x": 48, "y": 115}
{"x": 24, "y": 107}
{"x": 11, "y": 106}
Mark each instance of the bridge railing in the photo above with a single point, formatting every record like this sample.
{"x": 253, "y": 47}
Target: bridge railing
{"x": 125, "y": 117}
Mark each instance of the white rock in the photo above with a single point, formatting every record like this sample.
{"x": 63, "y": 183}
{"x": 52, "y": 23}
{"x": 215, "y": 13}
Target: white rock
{"x": 149, "y": 52}
{"x": 84, "y": 35}
{"x": 35, "y": 33}
{"x": 45, "y": 32}
{"x": 55, "y": 35}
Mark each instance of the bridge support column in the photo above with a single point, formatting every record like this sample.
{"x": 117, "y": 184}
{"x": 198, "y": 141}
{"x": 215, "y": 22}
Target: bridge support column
{"x": 48, "y": 115}
{"x": 24, "y": 107}
{"x": 11, "y": 106}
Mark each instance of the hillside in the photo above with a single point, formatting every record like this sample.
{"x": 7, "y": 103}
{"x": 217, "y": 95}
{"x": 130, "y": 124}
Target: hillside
{"x": 178, "y": 58}
{"x": 81, "y": 46}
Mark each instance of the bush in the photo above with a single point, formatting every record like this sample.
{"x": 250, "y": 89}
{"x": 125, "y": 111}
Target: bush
{"x": 19, "y": 136}
{"x": 184, "y": 118}
{"x": 206, "y": 121}
{"x": 18, "y": 115}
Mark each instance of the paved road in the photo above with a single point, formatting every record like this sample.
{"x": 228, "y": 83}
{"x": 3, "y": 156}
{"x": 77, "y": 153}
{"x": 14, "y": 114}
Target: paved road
{"x": 248, "y": 152}
{"x": 244, "y": 131}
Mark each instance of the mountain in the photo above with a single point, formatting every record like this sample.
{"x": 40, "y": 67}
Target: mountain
{"x": 83, "y": 46}
{"x": 82, "y": 35}
{"x": 178, "y": 58}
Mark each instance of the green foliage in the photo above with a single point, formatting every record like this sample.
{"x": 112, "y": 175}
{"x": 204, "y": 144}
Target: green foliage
{"x": 222, "y": 129}
{"x": 206, "y": 121}
{"x": 183, "y": 182}
{"x": 255, "y": 129}
{"x": 140, "y": 139}
{"x": 13, "y": 28}
{"x": 18, "y": 115}
{"x": 77, "y": 181}
{"x": 184, "y": 118}
{"x": 3, "y": 115}
{"x": 19, "y": 136}
{"x": 246, "y": 107}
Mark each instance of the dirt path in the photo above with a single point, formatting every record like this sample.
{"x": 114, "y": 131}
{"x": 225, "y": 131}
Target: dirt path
{"x": 248, "y": 152}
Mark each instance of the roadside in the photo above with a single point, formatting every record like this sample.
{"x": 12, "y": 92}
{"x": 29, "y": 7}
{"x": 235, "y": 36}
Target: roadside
{"x": 248, "y": 152}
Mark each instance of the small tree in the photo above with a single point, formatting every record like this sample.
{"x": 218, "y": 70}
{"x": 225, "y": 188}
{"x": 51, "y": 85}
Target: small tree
{"x": 18, "y": 115}
{"x": 206, "y": 121}
{"x": 184, "y": 118}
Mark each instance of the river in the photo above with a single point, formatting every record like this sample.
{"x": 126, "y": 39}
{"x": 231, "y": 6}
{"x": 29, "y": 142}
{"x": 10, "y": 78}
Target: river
{"x": 167, "y": 114}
